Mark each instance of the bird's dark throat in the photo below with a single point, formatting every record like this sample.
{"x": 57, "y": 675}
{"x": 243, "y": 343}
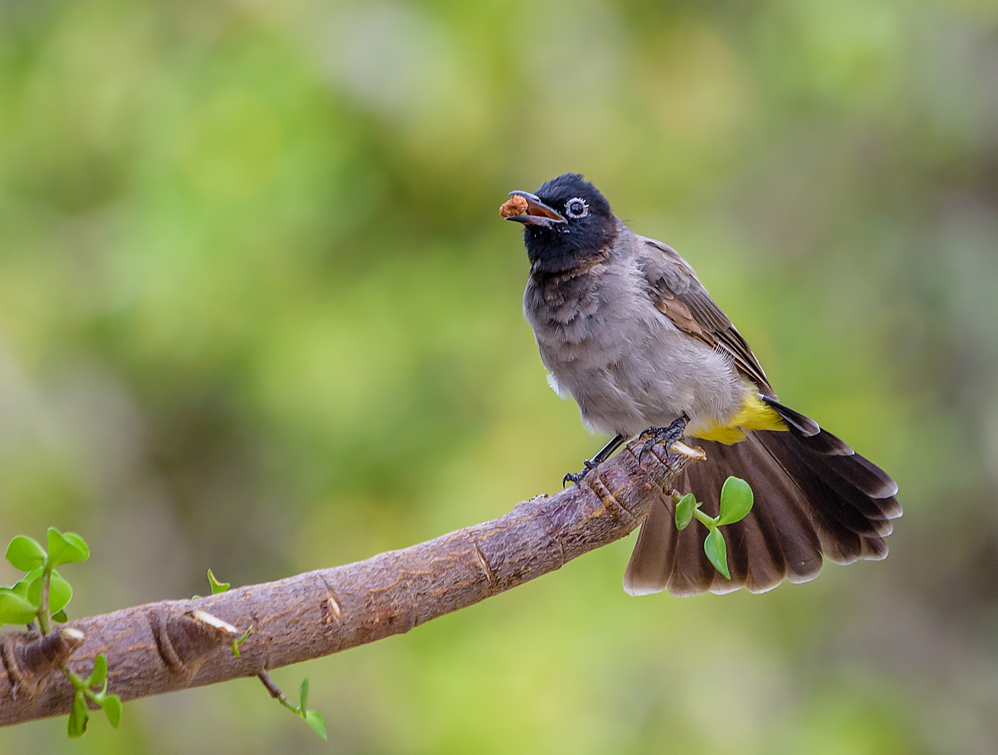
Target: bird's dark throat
{"x": 569, "y": 282}
{"x": 566, "y": 255}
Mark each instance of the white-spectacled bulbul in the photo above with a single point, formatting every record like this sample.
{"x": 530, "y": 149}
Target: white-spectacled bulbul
{"x": 625, "y": 327}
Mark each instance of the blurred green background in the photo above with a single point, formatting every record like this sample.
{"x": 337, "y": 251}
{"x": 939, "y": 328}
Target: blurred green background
{"x": 258, "y": 312}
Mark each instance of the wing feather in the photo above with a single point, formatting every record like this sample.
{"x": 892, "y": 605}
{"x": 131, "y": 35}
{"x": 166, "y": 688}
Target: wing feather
{"x": 679, "y": 295}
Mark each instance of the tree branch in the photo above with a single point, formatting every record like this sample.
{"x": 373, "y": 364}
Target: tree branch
{"x": 179, "y": 644}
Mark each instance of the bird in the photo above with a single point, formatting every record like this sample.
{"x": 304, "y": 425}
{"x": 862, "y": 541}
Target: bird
{"x": 625, "y": 327}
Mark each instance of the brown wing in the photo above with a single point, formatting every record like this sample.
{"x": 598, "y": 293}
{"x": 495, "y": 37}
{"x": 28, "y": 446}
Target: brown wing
{"x": 679, "y": 295}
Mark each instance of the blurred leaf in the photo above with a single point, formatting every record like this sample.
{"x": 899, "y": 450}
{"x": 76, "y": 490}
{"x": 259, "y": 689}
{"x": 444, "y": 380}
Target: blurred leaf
{"x": 112, "y": 709}
{"x": 78, "y": 716}
{"x": 216, "y": 586}
{"x": 99, "y": 671}
{"x": 312, "y": 718}
{"x": 303, "y": 695}
{"x": 736, "y": 501}
{"x": 60, "y": 616}
{"x": 684, "y": 511}
{"x": 716, "y": 550}
{"x": 66, "y": 548}
{"x": 317, "y": 722}
{"x": 25, "y": 553}
{"x": 16, "y": 609}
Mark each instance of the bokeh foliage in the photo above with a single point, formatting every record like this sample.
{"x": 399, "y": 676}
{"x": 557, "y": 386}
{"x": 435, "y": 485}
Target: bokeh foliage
{"x": 258, "y": 312}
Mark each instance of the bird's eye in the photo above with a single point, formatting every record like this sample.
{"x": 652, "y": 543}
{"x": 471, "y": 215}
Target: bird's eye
{"x": 577, "y": 208}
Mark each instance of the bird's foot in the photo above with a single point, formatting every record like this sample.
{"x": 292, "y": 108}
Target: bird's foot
{"x": 662, "y": 436}
{"x": 576, "y": 477}
{"x": 594, "y": 462}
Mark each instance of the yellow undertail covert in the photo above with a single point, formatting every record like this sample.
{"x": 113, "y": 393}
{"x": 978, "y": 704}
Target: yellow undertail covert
{"x": 755, "y": 414}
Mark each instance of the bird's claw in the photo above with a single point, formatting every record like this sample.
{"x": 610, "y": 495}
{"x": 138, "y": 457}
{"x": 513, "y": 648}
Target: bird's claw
{"x": 576, "y": 477}
{"x": 662, "y": 436}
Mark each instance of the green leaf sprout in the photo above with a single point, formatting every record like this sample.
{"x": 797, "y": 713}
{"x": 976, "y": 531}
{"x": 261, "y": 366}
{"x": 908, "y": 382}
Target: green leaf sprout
{"x": 735, "y": 504}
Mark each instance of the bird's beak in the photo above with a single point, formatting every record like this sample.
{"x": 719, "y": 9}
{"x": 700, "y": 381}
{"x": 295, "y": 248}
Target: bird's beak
{"x": 528, "y": 209}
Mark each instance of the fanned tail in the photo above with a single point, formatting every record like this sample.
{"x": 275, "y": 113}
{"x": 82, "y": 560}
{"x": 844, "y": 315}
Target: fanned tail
{"x": 814, "y": 497}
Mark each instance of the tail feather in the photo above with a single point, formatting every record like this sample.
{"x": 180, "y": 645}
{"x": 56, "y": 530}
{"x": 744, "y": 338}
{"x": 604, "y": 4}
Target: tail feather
{"x": 846, "y": 502}
{"x": 841, "y": 528}
{"x": 814, "y": 497}
{"x": 857, "y": 471}
{"x": 803, "y": 425}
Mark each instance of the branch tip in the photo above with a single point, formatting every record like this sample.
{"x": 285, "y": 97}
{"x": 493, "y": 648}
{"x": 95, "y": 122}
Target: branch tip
{"x": 29, "y": 659}
{"x": 71, "y": 634}
{"x": 697, "y": 453}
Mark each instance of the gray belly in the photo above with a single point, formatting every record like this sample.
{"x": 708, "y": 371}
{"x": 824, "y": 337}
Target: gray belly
{"x": 655, "y": 379}
{"x": 627, "y": 366}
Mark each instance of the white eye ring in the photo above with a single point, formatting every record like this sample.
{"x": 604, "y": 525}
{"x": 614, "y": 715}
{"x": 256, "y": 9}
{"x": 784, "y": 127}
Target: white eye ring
{"x": 580, "y": 214}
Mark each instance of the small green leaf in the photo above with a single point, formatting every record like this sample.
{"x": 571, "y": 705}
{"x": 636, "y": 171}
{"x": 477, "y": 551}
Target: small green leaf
{"x": 303, "y": 696}
{"x": 16, "y": 609}
{"x": 60, "y": 592}
{"x": 312, "y": 718}
{"x": 242, "y": 638}
{"x": 78, "y": 716}
{"x": 317, "y": 722}
{"x": 716, "y": 551}
{"x": 684, "y": 511}
{"x": 25, "y": 553}
{"x": 60, "y": 616}
{"x": 112, "y": 709}
{"x": 99, "y": 673}
{"x": 736, "y": 501}
{"x": 216, "y": 586}
{"x": 66, "y": 548}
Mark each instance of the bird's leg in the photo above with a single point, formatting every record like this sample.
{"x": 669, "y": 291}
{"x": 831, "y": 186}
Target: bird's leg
{"x": 598, "y": 459}
{"x": 663, "y": 436}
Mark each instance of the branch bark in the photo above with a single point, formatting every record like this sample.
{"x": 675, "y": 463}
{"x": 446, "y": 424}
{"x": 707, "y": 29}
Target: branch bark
{"x": 180, "y": 644}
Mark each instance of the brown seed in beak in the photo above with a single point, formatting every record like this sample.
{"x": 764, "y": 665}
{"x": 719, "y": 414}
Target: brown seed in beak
{"x": 515, "y": 205}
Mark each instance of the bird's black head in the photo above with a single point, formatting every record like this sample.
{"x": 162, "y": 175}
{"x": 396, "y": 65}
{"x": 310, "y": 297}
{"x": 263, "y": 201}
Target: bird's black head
{"x": 567, "y": 223}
